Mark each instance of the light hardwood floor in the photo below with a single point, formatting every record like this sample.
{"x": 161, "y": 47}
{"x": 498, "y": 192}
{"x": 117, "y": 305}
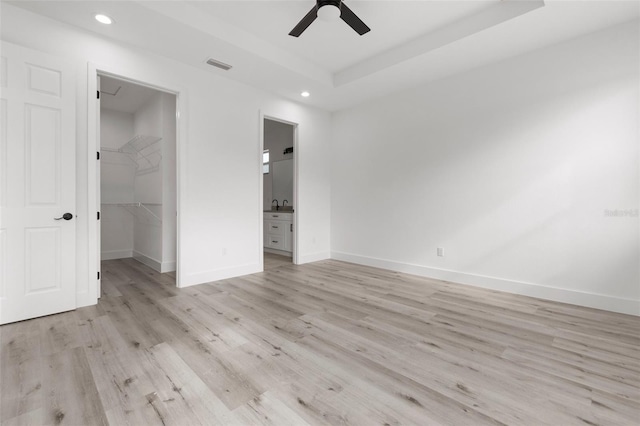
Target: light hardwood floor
{"x": 274, "y": 261}
{"x": 323, "y": 343}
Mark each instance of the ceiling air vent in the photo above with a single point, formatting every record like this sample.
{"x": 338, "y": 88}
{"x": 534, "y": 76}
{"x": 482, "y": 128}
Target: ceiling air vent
{"x": 218, "y": 64}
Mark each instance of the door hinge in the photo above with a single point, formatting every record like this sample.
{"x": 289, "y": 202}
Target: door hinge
{"x": 98, "y": 155}
{"x": 98, "y": 215}
{"x": 98, "y": 274}
{"x": 98, "y": 94}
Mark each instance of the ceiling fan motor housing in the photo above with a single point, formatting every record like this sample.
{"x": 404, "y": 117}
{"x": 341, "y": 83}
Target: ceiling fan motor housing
{"x": 335, "y": 3}
{"x": 341, "y": 11}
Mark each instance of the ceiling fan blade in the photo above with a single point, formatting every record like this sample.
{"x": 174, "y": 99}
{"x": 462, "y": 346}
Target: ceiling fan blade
{"x": 305, "y": 22}
{"x": 352, "y": 20}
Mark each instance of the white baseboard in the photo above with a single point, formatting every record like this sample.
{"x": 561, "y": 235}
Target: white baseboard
{"x": 219, "y": 274}
{"x": 161, "y": 267}
{"x": 591, "y": 300}
{"x": 116, "y": 254}
{"x": 168, "y": 266}
{"x": 150, "y": 262}
{"x": 313, "y": 257}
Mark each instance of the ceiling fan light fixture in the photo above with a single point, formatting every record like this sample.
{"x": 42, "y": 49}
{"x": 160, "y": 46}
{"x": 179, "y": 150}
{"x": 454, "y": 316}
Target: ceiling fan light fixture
{"x": 329, "y": 12}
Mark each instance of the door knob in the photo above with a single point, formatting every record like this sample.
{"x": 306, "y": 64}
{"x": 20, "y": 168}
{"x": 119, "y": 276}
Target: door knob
{"x": 66, "y": 216}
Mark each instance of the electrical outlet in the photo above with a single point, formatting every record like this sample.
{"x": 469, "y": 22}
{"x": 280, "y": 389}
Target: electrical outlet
{"x": 224, "y": 251}
{"x": 440, "y": 252}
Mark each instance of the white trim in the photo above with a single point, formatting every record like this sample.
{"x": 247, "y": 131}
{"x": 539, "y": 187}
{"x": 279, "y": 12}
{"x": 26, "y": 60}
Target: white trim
{"x": 591, "y": 300}
{"x": 295, "y": 253}
{"x": 152, "y": 263}
{"x": 181, "y": 184}
{"x": 92, "y": 184}
{"x": 93, "y": 70}
{"x": 261, "y": 194}
{"x": 116, "y": 254}
{"x": 220, "y": 274}
{"x": 314, "y": 257}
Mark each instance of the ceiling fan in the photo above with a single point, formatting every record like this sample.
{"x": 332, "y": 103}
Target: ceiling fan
{"x": 329, "y": 10}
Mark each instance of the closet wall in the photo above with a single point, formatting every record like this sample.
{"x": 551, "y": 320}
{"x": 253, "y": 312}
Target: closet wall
{"x": 117, "y": 177}
{"x": 144, "y": 231}
{"x": 154, "y": 241}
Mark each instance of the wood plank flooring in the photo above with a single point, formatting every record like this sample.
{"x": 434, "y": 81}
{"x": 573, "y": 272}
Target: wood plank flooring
{"x": 323, "y": 343}
{"x": 273, "y": 261}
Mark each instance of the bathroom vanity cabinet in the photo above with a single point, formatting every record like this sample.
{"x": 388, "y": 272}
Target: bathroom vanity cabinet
{"x": 278, "y": 232}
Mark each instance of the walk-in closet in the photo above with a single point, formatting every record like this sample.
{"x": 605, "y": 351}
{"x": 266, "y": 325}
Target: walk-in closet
{"x": 137, "y": 174}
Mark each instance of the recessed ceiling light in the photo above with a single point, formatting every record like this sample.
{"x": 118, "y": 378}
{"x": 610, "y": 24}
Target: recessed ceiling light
{"x": 103, "y": 19}
{"x": 305, "y": 94}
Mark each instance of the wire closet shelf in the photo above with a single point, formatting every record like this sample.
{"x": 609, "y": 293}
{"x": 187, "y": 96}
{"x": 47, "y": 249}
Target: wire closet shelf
{"x": 140, "y": 210}
{"x": 143, "y": 150}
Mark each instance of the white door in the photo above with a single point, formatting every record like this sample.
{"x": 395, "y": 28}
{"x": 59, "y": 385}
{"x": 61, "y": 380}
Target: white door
{"x": 98, "y": 193}
{"x": 38, "y": 185}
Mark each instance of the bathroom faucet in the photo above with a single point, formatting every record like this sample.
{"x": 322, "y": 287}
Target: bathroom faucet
{"x": 277, "y": 206}
{"x": 284, "y": 202}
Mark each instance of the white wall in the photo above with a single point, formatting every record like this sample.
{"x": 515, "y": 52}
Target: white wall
{"x": 148, "y": 122}
{"x": 509, "y": 168}
{"x": 155, "y": 240}
{"x": 277, "y": 137}
{"x": 117, "y": 171}
{"x": 169, "y": 191}
{"x": 147, "y": 229}
{"x": 117, "y": 177}
{"x": 116, "y": 128}
{"x": 219, "y": 160}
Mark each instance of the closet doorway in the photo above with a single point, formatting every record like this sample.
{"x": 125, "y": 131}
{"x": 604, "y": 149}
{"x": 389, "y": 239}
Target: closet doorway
{"x": 137, "y": 174}
{"x": 279, "y": 192}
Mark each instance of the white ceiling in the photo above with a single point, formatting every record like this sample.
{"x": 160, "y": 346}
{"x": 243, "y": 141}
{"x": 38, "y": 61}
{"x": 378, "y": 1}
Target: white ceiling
{"x": 411, "y": 42}
{"x": 335, "y": 46}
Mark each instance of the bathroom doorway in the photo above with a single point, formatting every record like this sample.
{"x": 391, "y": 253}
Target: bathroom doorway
{"x": 279, "y": 192}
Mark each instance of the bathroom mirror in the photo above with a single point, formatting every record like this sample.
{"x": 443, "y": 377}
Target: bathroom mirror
{"x": 282, "y": 175}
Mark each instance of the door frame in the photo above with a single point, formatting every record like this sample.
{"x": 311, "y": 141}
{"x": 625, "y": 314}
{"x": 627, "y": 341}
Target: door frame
{"x": 93, "y": 180}
{"x": 296, "y": 212}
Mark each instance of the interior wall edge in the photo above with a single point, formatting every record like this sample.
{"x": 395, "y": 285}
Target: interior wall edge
{"x": 205, "y": 277}
{"x": 168, "y": 267}
{"x": 314, "y": 257}
{"x": 572, "y": 297}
